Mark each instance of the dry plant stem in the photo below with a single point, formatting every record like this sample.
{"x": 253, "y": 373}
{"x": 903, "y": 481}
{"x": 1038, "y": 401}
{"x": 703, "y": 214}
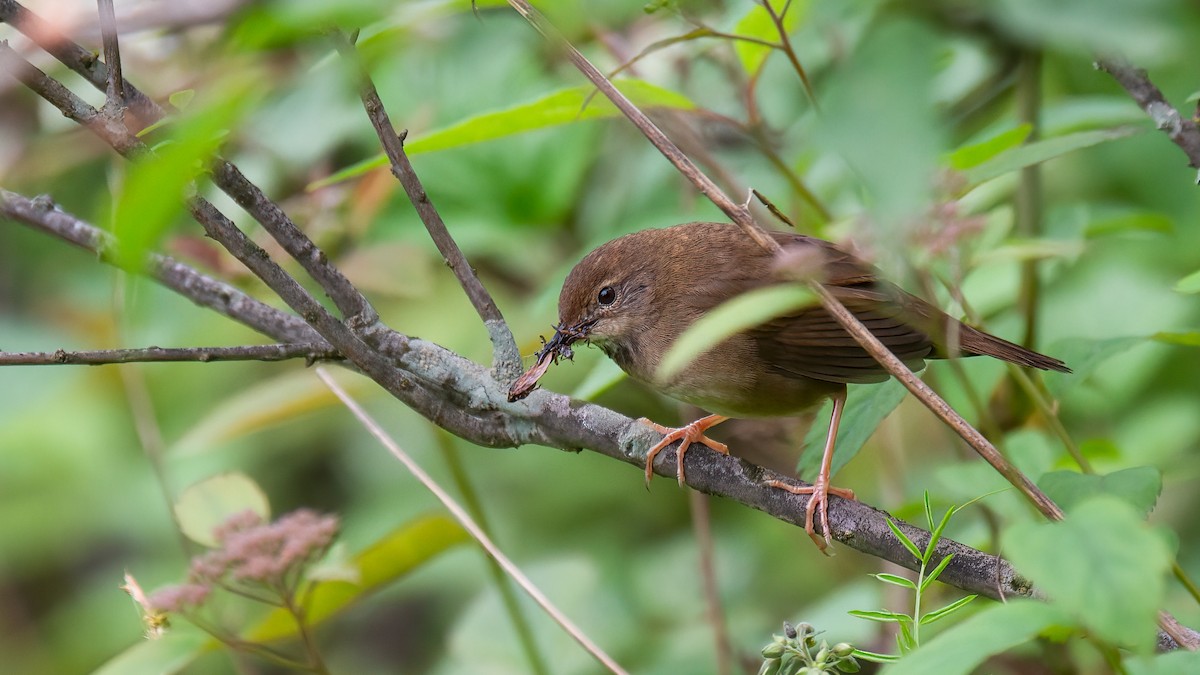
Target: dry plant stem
{"x": 1182, "y": 130}
{"x": 664, "y": 145}
{"x": 470, "y": 525}
{"x": 786, "y": 47}
{"x": 310, "y": 352}
{"x": 506, "y": 357}
{"x": 114, "y": 103}
{"x": 504, "y": 586}
{"x": 702, "y": 528}
{"x": 1028, "y": 198}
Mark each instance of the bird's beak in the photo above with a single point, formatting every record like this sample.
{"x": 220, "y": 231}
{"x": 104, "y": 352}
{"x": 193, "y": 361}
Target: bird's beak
{"x": 558, "y": 346}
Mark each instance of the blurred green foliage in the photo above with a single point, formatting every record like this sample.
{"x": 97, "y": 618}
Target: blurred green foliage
{"x": 910, "y": 93}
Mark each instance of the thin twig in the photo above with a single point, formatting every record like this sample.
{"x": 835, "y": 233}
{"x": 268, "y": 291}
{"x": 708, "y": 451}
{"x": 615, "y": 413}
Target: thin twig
{"x": 777, "y": 18}
{"x": 114, "y": 103}
{"x": 1180, "y": 129}
{"x": 277, "y": 352}
{"x": 43, "y": 215}
{"x": 506, "y": 358}
{"x": 460, "y": 514}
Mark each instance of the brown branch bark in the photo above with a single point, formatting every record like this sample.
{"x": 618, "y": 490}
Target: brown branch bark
{"x": 1182, "y": 131}
{"x": 506, "y": 359}
{"x": 101, "y": 357}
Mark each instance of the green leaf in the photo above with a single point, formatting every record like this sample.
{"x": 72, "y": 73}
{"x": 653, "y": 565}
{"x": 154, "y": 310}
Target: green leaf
{"x": 882, "y": 616}
{"x": 1040, "y": 151}
{"x": 936, "y": 572}
{"x": 168, "y": 654}
{"x": 206, "y": 504}
{"x": 963, "y": 646}
{"x": 970, "y": 156}
{"x": 154, "y": 190}
{"x": 1083, "y": 355}
{"x": 1191, "y": 339}
{"x": 757, "y": 23}
{"x": 947, "y": 610}
{"x": 936, "y": 534}
{"x": 865, "y": 655}
{"x": 1138, "y": 221}
{"x": 561, "y": 107}
{"x": 392, "y": 557}
{"x": 730, "y": 317}
{"x": 908, "y": 543}
{"x": 895, "y": 580}
{"x": 1102, "y": 564}
{"x": 1189, "y": 284}
{"x": 1138, "y": 486}
{"x": 1022, "y": 250}
{"x": 866, "y": 407}
{"x": 182, "y": 98}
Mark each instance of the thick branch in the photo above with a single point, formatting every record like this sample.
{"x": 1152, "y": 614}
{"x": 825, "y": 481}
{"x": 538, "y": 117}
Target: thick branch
{"x": 506, "y": 358}
{"x": 1181, "y": 130}
{"x": 100, "y": 357}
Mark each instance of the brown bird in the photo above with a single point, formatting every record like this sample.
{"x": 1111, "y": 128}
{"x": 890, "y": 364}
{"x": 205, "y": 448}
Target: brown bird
{"x": 633, "y": 297}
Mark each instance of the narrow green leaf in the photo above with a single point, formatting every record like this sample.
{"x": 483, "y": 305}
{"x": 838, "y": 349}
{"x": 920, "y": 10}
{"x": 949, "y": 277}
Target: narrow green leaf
{"x": 867, "y": 405}
{"x": 561, "y": 107}
{"x": 928, "y": 510}
{"x": 882, "y": 616}
{"x": 603, "y": 376}
{"x": 908, "y": 543}
{"x": 1023, "y": 250}
{"x": 153, "y": 193}
{"x": 937, "y": 572}
{"x": 1040, "y": 151}
{"x": 971, "y": 156}
{"x": 203, "y": 506}
{"x": 965, "y": 645}
{"x": 936, "y": 534}
{"x": 947, "y": 610}
{"x": 182, "y": 98}
{"x": 730, "y": 317}
{"x": 1189, "y": 284}
{"x": 1103, "y": 543}
{"x": 1191, "y": 339}
{"x": 392, "y": 557}
{"x": 1138, "y": 221}
{"x": 895, "y": 580}
{"x": 1138, "y": 486}
{"x": 874, "y": 656}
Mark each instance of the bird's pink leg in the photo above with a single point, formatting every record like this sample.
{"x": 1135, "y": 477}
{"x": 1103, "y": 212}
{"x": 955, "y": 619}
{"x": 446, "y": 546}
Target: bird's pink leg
{"x": 689, "y": 433}
{"x": 820, "y": 490}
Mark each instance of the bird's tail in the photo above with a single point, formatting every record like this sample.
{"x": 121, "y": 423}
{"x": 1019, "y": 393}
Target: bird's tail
{"x": 972, "y": 342}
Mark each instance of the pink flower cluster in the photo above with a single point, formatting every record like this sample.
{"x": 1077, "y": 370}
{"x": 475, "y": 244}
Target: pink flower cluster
{"x": 252, "y": 551}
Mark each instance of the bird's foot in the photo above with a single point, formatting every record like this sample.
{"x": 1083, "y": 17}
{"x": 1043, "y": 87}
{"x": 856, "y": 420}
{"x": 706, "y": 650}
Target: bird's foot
{"x": 818, "y": 505}
{"x": 687, "y": 434}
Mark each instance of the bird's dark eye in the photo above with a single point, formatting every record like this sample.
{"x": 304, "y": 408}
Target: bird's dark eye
{"x": 607, "y": 296}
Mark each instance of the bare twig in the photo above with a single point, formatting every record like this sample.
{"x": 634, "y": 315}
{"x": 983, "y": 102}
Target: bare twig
{"x": 777, "y": 19}
{"x": 277, "y": 352}
{"x": 1027, "y": 202}
{"x": 114, "y": 103}
{"x": 201, "y": 289}
{"x": 506, "y": 358}
{"x": 702, "y": 528}
{"x": 1181, "y": 130}
{"x": 460, "y": 514}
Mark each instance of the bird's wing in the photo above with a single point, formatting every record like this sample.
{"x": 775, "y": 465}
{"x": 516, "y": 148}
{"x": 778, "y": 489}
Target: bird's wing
{"x": 812, "y": 344}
